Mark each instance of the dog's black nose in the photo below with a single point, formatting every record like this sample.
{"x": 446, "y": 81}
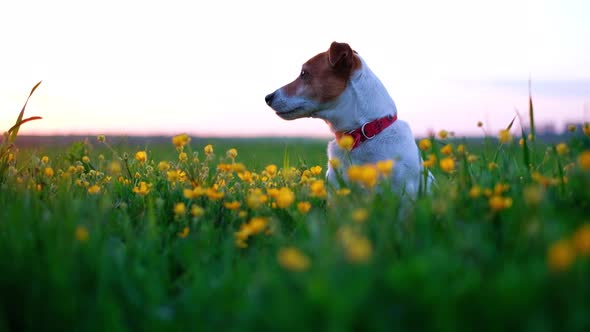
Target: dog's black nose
{"x": 269, "y": 98}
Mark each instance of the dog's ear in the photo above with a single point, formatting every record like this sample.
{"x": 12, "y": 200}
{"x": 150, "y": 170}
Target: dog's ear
{"x": 340, "y": 56}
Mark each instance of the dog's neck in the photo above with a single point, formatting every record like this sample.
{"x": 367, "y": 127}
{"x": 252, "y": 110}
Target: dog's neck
{"x": 364, "y": 99}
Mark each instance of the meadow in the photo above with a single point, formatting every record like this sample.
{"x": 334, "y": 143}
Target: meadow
{"x": 222, "y": 234}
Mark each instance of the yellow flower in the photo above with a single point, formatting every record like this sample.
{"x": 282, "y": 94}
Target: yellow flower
{"x": 141, "y": 156}
{"x": 182, "y": 156}
{"x": 179, "y": 209}
{"x": 93, "y": 190}
{"x": 357, "y": 247}
{"x": 114, "y": 167}
{"x": 232, "y": 153}
{"x": 246, "y": 176}
{"x": 582, "y": 240}
{"x": 561, "y": 149}
{"x": 571, "y": 128}
{"x": 492, "y": 165}
{"x": 584, "y": 160}
{"x": 85, "y": 159}
{"x": 81, "y": 233}
{"x": 471, "y": 158}
{"x": 346, "y": 142}
{"x": 142, "y": 189}
{"x": 443, "y": 134}
{"x": 498, "y": 202}
{"x": 521, "y": 141}
{"x": 560, "y": 256}
{"x": 45, "y": 159}
{"x": 257, "y": 225}
{"x": 292, "y": 259}
{"x": 316, "y": 170}
{"x": 430, "y": 162}
{"x": 369, "y": 176}
{"x": 304, "y": 207}
{"x": 447, "y": 164}
{"x": 163, "y": 166}
{"x": 256, "y": 198}
{"x": 343, "y": 192}
{"x": 360, "y": 215}
{"x": 505, "y": 136}
{"x": 271, "y": 170}
{"x": 425, "y": 144}
{"x": 214, "y": 194}
{"x": 184, "y": 232}
{"x": 318, "y": 189}
{"x": 181, "y": 140}
{"x": 533, "y": 194}
{"x": 334, "y": 162}
{"x": 475, "y": 191}
{"x": 447, "y": 150}
{"x": 208, "y": 149}
{"x": 461, "y": 149}
{"x": 285, "y": 198}
{"x": 48, "y": 172}
{"x": 385, "y": 166}
{"x": 233, "y": 205}
{"x": 197, "y": 211}
{"x": 176, "y": 175}
{"x": 586, "y": 129}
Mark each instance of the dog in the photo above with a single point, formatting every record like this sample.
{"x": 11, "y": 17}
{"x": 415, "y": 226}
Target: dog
{"x": 338, "y": 87}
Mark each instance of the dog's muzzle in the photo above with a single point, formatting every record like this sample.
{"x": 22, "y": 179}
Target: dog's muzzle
{"x": 269, "y": 98}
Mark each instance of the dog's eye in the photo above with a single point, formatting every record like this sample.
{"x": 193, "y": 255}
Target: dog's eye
{"x": 304, "y": 74}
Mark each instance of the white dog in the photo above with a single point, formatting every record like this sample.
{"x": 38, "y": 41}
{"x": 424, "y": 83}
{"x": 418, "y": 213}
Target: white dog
{"x": 338, "y": 87}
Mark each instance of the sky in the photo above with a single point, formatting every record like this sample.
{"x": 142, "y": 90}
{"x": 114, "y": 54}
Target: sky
{"x": 204, "y": 67}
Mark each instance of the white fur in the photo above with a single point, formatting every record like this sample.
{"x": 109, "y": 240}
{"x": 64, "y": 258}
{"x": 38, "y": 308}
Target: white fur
{"x": 365, "y": 99}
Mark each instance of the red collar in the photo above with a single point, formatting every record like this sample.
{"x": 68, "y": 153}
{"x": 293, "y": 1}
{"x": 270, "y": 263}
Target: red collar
{"x": 368, "y": 130}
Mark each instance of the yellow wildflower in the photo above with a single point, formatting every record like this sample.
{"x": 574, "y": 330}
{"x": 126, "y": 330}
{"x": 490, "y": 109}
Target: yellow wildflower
{"x": 181, "y": 140}
{"x": 246, "y": 176}
{"x": 48, "y": 171}
{"x": 81, "y": 233}
{"x": 316, "y": 170}
{"x": 292, "y": 259}
{"x": 233, "y": 205}
{"x": 257, "y": 225}
{"x": 369, "y": 176}
{"x": 385, "y": 166}
{"x": 461, "y": 149}
{"x": 93, "y": 190}
{"x": 581, "y": 240}
{"x": 318, "y": 189}
{"x": 214, "y": 194}
{"x": 271, "y": 170}
{"x": 141, "y": 156}
{"x": 184, "y": 232}
{"x": 447, "y": 164}
{"x": 584, "y": 160}
{"x": 492, "y": 165}
{"x": 360, "y": 215}
{"x": 561, "y": 149}
{"x": 285, "y": 198}
{"x": 232, "y": 153}
{"x": 475, "y": 191}
{"x": 256, "y": 198}
{"x": 163, "y": 166}
{"x": 586, "y": 129}
{"x": 498, "y": 202}
{"x": 443, "y": 134}
{"x": 208, "y": 149}
{"x": 560, "y": 256}
{"x": 430, "y": 162}
{"x": 182, "y": 156}
{"x": 334, "y": 162}
{"x": 505, "y": 136}
{"x": 571, "y": 128}
{"x": 447, "y": 150}
{"x": 197, "y": 211}
{"x": 343, "y": 192}
{"x": 425, "y": 144}
{"x": 176, "y": 175}
{"x": 85, "y": 159}
{"x": 357, "y": 247}
{"x": 179, "y": 209}
{"x": 304, "y": 207}
{"x": 471, "y": 158}
{"x": 101, "y": 138}
{"x": 45, "y": 159}
{"x": 346, "y": 142}
{"x": 521, "y": 141}
{"x": 142, "y": 189}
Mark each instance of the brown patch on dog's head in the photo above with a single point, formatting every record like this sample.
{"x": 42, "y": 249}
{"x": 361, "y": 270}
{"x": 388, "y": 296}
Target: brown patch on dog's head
{"x": 325, "y": 76}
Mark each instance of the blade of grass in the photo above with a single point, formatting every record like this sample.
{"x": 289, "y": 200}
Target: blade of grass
{"x": 13, "y": 132}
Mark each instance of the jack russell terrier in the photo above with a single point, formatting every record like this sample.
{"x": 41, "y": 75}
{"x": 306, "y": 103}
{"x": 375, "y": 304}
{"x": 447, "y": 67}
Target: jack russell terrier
{"x": 338, "y": 87}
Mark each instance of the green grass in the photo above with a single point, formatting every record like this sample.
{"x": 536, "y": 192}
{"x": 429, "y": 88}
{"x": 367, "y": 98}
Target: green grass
{"x": 502, "y": 242}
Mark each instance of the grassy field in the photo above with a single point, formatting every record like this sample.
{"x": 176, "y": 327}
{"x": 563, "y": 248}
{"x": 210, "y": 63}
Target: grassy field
{"x": 246, "y": 235}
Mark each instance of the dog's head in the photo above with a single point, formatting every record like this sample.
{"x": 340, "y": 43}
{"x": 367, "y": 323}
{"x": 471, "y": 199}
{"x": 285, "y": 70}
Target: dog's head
{"x": 321, "y": 81}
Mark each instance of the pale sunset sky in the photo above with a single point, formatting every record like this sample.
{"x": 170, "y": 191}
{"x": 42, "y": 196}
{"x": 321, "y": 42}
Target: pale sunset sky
{"x": 204, "y": 67}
